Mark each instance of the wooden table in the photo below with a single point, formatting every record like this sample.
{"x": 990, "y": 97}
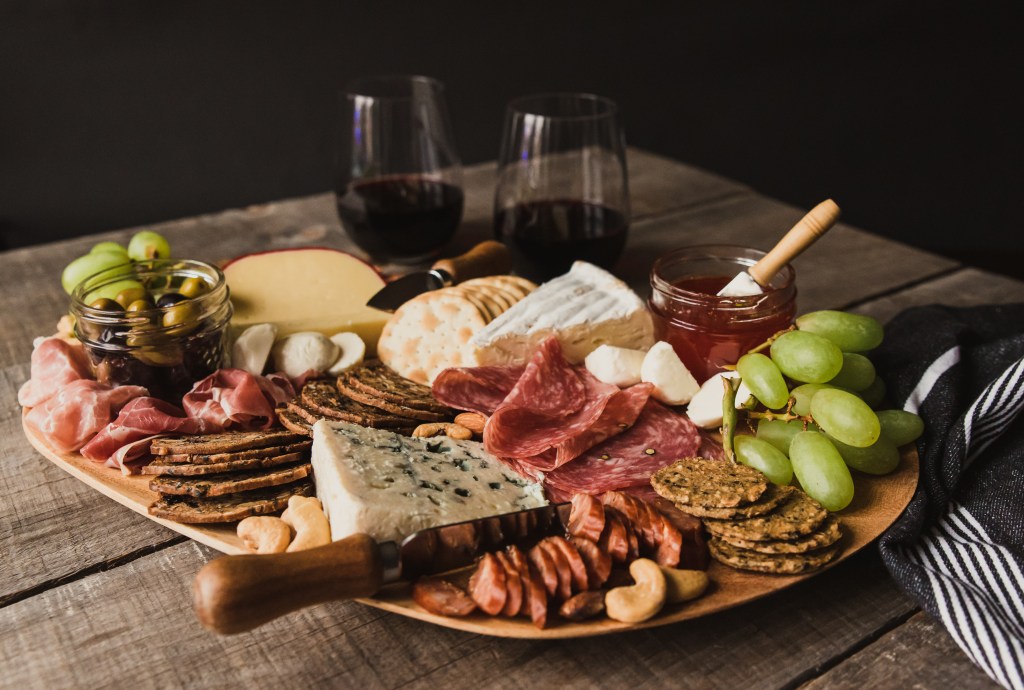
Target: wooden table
{"x": 92, "y": 594}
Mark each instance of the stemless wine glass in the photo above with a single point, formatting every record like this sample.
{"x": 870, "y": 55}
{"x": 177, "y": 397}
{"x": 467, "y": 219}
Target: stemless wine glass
{"x": 562, "y": 191}
{"x": 399, "y": 178}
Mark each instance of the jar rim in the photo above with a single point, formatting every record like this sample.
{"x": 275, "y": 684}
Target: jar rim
{"x": 743, "y": 257}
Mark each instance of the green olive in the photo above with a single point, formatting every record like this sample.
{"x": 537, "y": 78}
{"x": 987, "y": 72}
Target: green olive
{"x": 130, "y": 295}
{"x": 105, "y": 304}
{"x": 144, "y": 335}
{"x": 180, "y": 318}
{"x": 139, "y": 305}
{"x": 168, "y": 355}
{"x": 193, "y": 287}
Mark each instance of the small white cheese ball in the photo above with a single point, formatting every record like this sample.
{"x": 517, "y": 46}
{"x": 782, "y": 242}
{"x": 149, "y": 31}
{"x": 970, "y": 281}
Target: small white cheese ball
{"x": 705, "y": 409}
{"x": 252, "y": 348}
{"x": 673, "y": 382}
{"x": 297, "y": 353}
{"x": 352, "y": 350}
{"x": 618, "y": 366}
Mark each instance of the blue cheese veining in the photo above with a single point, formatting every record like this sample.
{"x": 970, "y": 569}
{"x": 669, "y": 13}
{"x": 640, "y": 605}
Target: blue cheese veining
{"x": 389, "y": 486}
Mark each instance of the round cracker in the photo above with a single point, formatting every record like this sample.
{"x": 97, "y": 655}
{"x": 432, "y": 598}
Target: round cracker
{"x": 772, "y": 497}
{"x": 709, "y": 483}
{"x": 796, "y": 517}
{"x": 776, "y": 564}
{"x": 826, "y": 535}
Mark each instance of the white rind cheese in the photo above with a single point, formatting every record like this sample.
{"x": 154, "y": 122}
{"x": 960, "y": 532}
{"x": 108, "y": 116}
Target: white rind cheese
{"x": 585, "y": 308}
{"x": 389, "y": 486}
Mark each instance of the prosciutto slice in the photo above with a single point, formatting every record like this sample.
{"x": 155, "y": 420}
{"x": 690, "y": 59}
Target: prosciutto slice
{"x": 55, "y": 364}
{"x": 142, "y": 419}
{"x": 71, "y": 416}
{"x": 658, "y": 438}
{"x": 237, "y": 399}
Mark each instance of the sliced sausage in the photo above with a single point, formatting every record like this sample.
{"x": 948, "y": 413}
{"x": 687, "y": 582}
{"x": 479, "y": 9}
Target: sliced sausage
{"x": 695, "y": 555}
{"x": 545, "y": 565}
{"x": 635, "y": 512}
{"x": 576, "y": 564}
{"x": 538, "y": 599}
{"x": 613, "y": 540}
{"x": 582, "y": 606}
{"x": 599, "y": 563}
{"x": 513, "y": 586}
{"x": 633, "y": 539}
{"x": 441, "y": 597}
{"x": 586, "y": 519}
{"x": 671, "y": 546}
{"x": 562, "y": 567}
{"x": 487, "y": 585}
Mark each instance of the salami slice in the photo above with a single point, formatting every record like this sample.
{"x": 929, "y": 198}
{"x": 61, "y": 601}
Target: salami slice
{"x": 476, "y": 389}
{"x": 487, "y": 585}
{"x": 548, "y": 385}
{"x": 658, "y": 438}
{"x": 620, "y": 412}
{"x": 545, "y": 565}
{"x": 513, "y": 586}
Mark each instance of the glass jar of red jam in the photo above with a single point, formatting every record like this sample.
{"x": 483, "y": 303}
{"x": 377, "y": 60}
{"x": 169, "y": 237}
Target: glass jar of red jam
{"x": 708, "y": 331}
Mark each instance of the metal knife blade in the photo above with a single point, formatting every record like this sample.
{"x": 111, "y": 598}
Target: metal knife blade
{"x": 400, "y": 291}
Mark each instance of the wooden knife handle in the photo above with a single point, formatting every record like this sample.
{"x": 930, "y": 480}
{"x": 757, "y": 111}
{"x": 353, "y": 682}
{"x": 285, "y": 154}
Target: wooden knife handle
{"x": 489, "y": 258}
{"x": 802, "y": 235}
{"x": 232, "y": 594}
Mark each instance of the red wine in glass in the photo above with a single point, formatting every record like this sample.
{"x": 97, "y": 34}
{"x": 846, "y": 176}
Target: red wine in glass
{"x": 398, "y": 217}
{"x": 546, "y": 237}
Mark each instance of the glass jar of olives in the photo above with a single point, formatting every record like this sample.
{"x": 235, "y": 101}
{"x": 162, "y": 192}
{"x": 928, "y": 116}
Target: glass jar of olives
{"x": 161, "y": 324}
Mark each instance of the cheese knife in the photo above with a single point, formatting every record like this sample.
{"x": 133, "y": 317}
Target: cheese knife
{"x": 802, "y": 235}
{"x": 232, "y": 594}
{"x": 488, "y": 258}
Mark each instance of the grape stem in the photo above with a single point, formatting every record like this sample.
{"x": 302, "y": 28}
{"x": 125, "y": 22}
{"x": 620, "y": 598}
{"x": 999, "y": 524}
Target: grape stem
{"x": 729, "y": 416}
{"x": 787, "y": 416}
{"x": 768, "y": 343}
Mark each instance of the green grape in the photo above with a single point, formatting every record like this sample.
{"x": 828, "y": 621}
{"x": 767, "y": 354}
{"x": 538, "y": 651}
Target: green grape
{"x": 850, "y": 332}
{"x": 764, "y": 457}
{"x": 844, "y": 416}
{"x": 900, "y": 427}
{"x": 109, "y": 247}
{"x": 881, "y": 457}
{"x": 821, "y": 470}
{"x": 874, "y": 394}
{"x": 857, "y": 373}
{"x": 806, "y": 357}
{"x": 763, "y": 379}
{"x": 802, "y": 397}
{"x": 90, "y": 264}
{"x": 780, "y": 433}
{"x": 148, "y": 245}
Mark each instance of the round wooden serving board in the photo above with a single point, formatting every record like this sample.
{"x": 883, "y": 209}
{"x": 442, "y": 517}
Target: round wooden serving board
{"x": 876, "y": 505}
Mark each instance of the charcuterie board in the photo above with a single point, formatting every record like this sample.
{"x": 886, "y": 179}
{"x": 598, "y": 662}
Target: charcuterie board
{"x": 877, "y": 504}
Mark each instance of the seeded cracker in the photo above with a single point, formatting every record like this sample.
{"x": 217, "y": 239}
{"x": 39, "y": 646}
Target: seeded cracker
{"x": 777, "y": 564}
{"x": 214, "y": 458}
{"x": 324, "y": 398}
{"x": 227, "y": 442}
{"x": 229, "y": 508}
{"x": 827, "y": 534}
{"x": 376, "y": 379}
{"x": 294, "y": 422}
{"x": 178, "y": 469}
{"x": 709, "y": 483}
{"x": 229, "y": 483}
{"x": 768, "y": 501}
{"x": 390, "y": 406}
{"x": 798, "y": 516}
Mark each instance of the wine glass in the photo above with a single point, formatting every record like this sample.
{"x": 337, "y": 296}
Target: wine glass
{"x": 399, "y": 178}
{"x": 562, "y": 191}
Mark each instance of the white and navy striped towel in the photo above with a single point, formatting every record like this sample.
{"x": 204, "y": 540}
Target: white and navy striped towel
{"x": 959, "y": 547}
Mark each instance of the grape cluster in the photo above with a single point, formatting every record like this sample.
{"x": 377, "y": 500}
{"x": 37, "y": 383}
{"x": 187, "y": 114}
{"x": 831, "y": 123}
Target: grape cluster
{"x": 107, "y": 255}
{"x": 815, "y": 404}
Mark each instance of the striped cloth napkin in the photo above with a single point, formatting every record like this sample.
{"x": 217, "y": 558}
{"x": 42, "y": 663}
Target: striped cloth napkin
{"x": 959, "y": 547}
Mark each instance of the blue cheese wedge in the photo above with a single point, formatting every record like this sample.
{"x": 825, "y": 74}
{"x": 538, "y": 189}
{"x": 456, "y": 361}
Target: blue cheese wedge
{"x": 389, "y": 486}
{"x": 585, "y": 308}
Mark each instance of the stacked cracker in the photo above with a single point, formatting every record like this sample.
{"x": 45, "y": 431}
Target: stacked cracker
{"x": 371, "y": 395}
{"x": 433, "y": 331}
{"x": 754, "y": 524}
{"x": 228, "y": 476}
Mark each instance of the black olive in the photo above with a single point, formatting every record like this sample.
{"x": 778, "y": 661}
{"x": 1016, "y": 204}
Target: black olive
{"x": 169, "y": 299}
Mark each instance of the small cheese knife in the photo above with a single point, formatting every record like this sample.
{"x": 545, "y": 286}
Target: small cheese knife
{"x": 802, "y": 235}
{"x": 489, "y": 258}
{"x": 232, "y": 594}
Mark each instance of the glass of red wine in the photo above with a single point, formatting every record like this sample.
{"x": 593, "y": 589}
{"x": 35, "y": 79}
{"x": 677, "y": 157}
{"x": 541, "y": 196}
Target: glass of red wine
{"x": 562, "y": 191}
{"x": 399, "y": 178}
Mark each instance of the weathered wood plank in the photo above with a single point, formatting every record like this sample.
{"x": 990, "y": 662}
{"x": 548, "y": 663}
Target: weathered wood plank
{"x": 134, "y": 625}
{"x": 846, "y": 265}
{"x": 919, "y": 654}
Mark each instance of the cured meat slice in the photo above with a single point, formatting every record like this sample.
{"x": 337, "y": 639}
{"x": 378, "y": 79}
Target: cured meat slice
{"x": 635, "y": 513}
{"x": 710, "y": 446}
{"x": 576, "y": 565}
{"x": 140, "y": 419}
{"x": 658, "y": 438}
{"x": 234, "y": 398}
{"x": 538, "y": 598}
{"x": 671, "y": 545}
{"x": 522, "y": 566}
{"x": 620, "y": 412}
{"x": 487, "y": 585}
{"x": 55, "y": 364}
{"x": 694, "y": 554}
{"x": 545, "y": 567}
{"x": 586, "y": 519}
{"x": 438, "y": 596}
{"x": 73, "y": 415}
{"x": 513, "y": 586}
{"x": 613, "y": 540}
{"x": 476, "y": 389}
{"x": 598, "y": 562}
{"x": 548, "y": 385}
{"x": 562, "y": 567}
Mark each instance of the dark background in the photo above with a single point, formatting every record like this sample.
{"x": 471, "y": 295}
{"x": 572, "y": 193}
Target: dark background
{"x": 117, "y": 113}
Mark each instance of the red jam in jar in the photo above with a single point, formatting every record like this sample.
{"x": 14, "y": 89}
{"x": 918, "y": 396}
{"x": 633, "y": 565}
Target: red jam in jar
{"x": 708, "y": 331}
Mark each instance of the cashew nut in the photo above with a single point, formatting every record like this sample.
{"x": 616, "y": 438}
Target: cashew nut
{"x": 306, "y": 516}
{"x": 265, "y": 534}
{"x": 456, "y": 431}
{"x": 683, "y": 585}
{"x": 641, "y": 601}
